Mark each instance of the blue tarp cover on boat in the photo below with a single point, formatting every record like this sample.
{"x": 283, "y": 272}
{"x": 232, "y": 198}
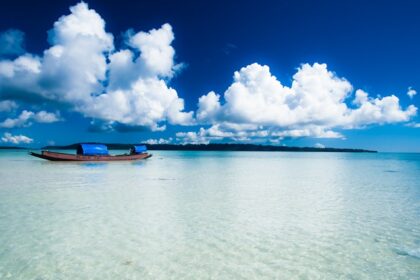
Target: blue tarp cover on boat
{"x": 138, "y": 149}
{"x": 92, "y": 149}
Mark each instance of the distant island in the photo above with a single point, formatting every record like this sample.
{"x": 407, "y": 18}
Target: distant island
{"x": 12, "y": 148}
{"x": 218, "y": 147}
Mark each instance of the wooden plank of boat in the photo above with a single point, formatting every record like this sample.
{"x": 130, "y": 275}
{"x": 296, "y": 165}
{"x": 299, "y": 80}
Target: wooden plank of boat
{"x": 54, "y": 156}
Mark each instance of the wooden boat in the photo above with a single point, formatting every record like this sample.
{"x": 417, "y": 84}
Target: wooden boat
{"x": 94, "y": 152}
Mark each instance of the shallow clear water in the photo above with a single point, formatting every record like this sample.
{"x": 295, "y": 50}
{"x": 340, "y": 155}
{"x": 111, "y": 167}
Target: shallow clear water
{"x": 212, "y": 215}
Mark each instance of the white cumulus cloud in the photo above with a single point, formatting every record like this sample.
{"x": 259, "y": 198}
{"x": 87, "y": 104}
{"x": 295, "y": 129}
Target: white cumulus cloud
{"x": 156, "y": 52}
{"x": 411, "y": 92}
{"x": 158, "y": 141}
{"x": 16, "y": 139}
{"x": 191, "y": 137}
{"x": 129, "y": 89}
{"x": 25, "y": 119}
{"x": 7, "y": 105}
{"x": 83, "y": 70}
{"x": 313, "y": 106}
{"x": 46, "y": 117}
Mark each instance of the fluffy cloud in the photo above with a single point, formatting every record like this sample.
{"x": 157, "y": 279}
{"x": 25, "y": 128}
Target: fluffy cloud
{"x": 319, "y": 145}
{"x": 46, "y": 117}
{"x": 16, "y": 139}
{"x": 128, "y": 89}
{"x": 208, "y": 107}
{"x": 411, "y": 92}
{"x": 20, "y": 121}
{"x": 251, "y": 133}
{"x": 199, "y": 137}
{"x": 377, "y": 111}
{"x": 307, "y": 131}
{"x": 82, "y": 70}
{"x": 7, "y": 106}
{"x": 158, "y": 141}
{"x": 312, "y": 106}
{"x": 25, "y": 117}
{"x": 156, "y": 52}
{"x": 220, "y": 131}
{"x": 11, "y": 42}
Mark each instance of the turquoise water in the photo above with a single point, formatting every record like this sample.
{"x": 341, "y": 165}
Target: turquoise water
{"x": 212, "y": 215}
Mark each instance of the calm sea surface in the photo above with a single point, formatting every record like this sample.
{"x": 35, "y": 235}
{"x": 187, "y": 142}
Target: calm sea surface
{"x": 212, "y": 215}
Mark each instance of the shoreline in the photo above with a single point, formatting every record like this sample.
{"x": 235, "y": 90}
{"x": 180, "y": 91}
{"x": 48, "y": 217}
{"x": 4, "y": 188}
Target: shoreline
{"x": 219, "y": 147}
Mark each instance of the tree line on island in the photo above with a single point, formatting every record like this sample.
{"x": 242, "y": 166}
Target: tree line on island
{"x": 216, "y": 147}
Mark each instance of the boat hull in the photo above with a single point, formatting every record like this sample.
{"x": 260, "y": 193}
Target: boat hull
{"x": 54, "y": 156}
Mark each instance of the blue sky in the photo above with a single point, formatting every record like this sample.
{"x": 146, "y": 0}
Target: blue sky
{"x": 297, "y": 73}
